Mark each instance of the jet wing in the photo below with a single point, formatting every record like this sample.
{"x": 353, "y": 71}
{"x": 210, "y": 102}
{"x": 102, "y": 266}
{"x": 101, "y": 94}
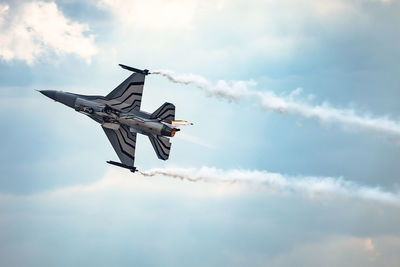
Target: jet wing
{"x": 124, "y": 143}
{"x": 128, "y": 95}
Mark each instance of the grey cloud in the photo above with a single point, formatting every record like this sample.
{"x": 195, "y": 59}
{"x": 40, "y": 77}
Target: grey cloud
{"x": 127, "y": 219}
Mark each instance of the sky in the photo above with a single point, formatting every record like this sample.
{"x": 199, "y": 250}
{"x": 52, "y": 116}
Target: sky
{"x": 292, "y": 158}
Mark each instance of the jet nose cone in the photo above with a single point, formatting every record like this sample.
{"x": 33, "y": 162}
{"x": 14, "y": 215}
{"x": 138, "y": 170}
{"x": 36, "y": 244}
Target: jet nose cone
{"x": 49, "y": 93}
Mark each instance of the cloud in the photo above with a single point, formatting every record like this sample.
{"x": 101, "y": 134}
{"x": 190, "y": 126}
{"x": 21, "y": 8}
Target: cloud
{"x": 341, "y": 251}
{"x": 36, "y": 29}
{"x": 126, "y": 219}
{"x": 269, "y": 34}
{"x": 235, "y": 91}
{"x": 152, "y": 14}
{"x": 369, "y": 245}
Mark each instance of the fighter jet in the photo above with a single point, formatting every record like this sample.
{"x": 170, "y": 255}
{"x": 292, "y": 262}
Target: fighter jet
{"x": 121, "y": 118}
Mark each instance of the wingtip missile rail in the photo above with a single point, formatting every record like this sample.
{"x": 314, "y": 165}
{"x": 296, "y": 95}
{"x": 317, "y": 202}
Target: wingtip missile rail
{"x": 132, "y": 169}
{"x": 144, "y": 72}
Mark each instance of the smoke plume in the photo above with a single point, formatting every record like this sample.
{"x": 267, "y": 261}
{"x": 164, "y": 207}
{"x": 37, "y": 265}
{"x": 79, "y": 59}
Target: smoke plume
{"x": 312, "y": 187}
{"x": 235, "y": 91}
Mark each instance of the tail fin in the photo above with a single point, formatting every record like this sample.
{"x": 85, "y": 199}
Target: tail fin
{"x": 161, "y": 146}
{"x": 165, "y": 113}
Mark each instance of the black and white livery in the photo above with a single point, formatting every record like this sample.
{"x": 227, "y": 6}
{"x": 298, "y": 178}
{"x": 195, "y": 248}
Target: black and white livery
{"x": 121, "y": 118}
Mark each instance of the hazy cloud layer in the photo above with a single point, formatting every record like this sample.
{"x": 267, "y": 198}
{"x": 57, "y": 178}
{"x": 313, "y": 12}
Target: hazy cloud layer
{"x": 125, "y": 219}
{"x": 36, "y": 29}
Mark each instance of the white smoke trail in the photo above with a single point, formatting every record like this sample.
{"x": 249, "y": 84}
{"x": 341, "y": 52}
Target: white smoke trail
{"x": 274, "y": 182}
{"x": 268, "y": 100}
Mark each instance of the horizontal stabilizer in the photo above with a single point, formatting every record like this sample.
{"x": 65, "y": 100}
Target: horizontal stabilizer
{"x": 165, "y": 113}
{"x": 161, "y": 146}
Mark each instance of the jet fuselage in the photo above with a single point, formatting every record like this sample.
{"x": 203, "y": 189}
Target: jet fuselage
{"x": 111, "y": 118}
